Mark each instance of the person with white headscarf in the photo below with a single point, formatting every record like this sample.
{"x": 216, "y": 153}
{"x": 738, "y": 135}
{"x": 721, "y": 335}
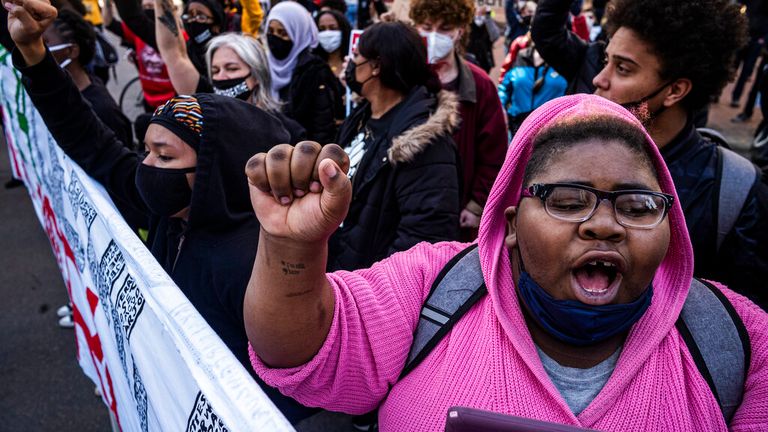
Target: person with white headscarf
{"x": 300, "y": 79}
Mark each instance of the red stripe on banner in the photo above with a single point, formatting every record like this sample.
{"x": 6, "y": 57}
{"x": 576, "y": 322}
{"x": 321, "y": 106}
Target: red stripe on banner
{"x": 113, "y": 405}
{"x": 79, "y": 322}
{"x": 93, "y": 299}
{"x": 52, "y": 228}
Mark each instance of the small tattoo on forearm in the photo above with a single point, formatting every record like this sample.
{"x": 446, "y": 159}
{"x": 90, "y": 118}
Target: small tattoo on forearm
{"x": 168, "y": 19}
{"x": 292, "y": 269}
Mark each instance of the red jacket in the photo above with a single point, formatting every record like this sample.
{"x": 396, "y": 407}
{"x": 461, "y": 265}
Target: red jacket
{"x": 153, "y": 74}
{"x": 482, "y": 137}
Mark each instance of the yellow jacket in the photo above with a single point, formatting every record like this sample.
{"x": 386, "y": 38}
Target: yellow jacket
{"x": 252, "y": 17}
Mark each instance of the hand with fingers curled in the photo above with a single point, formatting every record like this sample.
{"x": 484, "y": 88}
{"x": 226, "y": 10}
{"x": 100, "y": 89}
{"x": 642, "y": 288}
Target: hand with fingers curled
{"x": 27, "y": 20}
{"x": 300, "y": 193}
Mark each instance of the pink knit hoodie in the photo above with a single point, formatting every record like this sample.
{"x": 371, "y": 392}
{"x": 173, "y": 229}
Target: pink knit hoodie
{"x": 488, "y": 360}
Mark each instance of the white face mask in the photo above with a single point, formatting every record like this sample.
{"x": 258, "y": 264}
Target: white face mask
{"x": 439, "y": 46}
{"x": 60, "y": 47}
{"x": 330, "y": 40}
{"x": 479, "y": 20}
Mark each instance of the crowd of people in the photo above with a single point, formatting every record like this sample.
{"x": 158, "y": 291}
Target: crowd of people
{"x": 311, "y": 192}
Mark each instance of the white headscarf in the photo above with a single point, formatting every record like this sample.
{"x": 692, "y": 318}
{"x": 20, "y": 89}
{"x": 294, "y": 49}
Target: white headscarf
{"x": 301, "y": 29}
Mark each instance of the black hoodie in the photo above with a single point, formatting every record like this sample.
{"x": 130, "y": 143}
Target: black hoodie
{"x": 211, "y": 256}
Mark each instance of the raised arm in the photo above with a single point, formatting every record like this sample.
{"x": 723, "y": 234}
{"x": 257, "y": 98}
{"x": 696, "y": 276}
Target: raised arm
{"x": 133, "y": 17}
{"x": 173, "y": 48}
{"x": 111, "y": 23}
{"x": 558, "y": 46}
{"x": 76, "y": 128}
{"x": 300, "y": 195}
{"x": 108, "y": 14}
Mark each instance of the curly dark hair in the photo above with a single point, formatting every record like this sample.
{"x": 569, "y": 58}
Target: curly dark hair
{"x": 693, "y": 39}
{"x": 458, "y": 13}
{"x": 76, "y": 30}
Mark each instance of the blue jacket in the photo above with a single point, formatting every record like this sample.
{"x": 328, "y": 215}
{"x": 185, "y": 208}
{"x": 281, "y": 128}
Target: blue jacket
{"x": 516, "y": 91}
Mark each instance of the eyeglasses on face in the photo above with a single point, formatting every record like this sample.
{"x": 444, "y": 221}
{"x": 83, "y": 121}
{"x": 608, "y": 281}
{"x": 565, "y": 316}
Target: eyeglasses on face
{"x": 201, "y": 18}
{"x": 571, "y": 202}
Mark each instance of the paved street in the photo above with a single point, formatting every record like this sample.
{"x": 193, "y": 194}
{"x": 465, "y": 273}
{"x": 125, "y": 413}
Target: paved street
{"x": 41, "y": 386}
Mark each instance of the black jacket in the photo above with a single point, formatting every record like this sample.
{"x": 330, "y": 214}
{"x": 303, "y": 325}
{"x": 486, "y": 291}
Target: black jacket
{"x": 742, "y": 261}
{"x": 312, "y": 97}
{"x": 109, "y": 113}
{"x": 211, "y": 257}
{"x": 406, "y": 189}
{"x": 575, "y": 59}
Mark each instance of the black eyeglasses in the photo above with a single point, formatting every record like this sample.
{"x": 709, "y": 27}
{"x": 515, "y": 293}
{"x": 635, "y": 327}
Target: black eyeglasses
{"x": 576, "y": 203}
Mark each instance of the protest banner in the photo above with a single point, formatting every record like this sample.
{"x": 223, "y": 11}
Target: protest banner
{"x": 156, "y": 362}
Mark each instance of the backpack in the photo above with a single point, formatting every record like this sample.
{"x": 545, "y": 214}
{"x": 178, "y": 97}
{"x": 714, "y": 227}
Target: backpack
{"x": 735, "y": 177}
{"x": 105, "y": 54}
{"x": 758, "y": 152}
{"x": 712, "y": 330}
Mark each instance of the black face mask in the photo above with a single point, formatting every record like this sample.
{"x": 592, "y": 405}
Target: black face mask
{"x": 164, "y": 191}
{"x": 526, "y": 20}
{"x": 235, "y": 88}
{"x": 150, "y": 13}
{"x": 200, "y": 32}
{"x": 636, "y": 107}
{"x": 280, "y": 48}
{"x": 351, "y": 78}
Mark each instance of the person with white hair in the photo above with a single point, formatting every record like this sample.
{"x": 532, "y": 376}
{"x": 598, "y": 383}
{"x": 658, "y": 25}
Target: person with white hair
{"x": 236, "y": 66}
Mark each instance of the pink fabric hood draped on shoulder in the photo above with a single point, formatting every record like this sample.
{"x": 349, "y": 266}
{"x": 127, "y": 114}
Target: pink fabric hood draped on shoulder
{"x": 489, "y": 360}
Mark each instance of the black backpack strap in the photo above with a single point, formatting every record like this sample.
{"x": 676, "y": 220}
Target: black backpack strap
{"x": 718, "y": 342}
{"x": 457, "y": 288}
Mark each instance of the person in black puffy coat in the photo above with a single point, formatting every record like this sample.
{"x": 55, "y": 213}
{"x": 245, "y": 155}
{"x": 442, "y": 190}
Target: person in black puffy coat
{"x": 403, "y": 161}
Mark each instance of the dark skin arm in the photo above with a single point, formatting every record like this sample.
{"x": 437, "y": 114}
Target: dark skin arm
{"x": 300, "y": 195}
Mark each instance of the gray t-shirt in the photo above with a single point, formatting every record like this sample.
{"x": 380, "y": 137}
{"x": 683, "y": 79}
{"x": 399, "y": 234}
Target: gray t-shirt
{"x": 579, "y": 386}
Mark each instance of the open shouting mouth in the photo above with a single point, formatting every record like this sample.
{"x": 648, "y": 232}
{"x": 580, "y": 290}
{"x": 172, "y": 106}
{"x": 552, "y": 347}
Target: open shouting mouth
{"x": 596, "y": 278}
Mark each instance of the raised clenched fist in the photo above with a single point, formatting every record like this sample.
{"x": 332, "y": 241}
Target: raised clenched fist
{"x": 300, "y": 193}
{"x": 28, "y": 19}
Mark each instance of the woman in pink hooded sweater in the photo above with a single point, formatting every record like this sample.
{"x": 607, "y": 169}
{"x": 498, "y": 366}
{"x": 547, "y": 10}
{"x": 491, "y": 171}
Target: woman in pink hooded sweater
{"x": 340, "y": 341}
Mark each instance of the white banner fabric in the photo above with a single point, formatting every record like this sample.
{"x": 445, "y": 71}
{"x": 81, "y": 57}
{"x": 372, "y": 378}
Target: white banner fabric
{"x": 157, "y": 363}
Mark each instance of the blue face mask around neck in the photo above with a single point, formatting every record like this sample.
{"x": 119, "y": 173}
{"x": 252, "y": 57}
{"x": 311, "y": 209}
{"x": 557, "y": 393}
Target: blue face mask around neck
{"x": 576, "y": 323}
